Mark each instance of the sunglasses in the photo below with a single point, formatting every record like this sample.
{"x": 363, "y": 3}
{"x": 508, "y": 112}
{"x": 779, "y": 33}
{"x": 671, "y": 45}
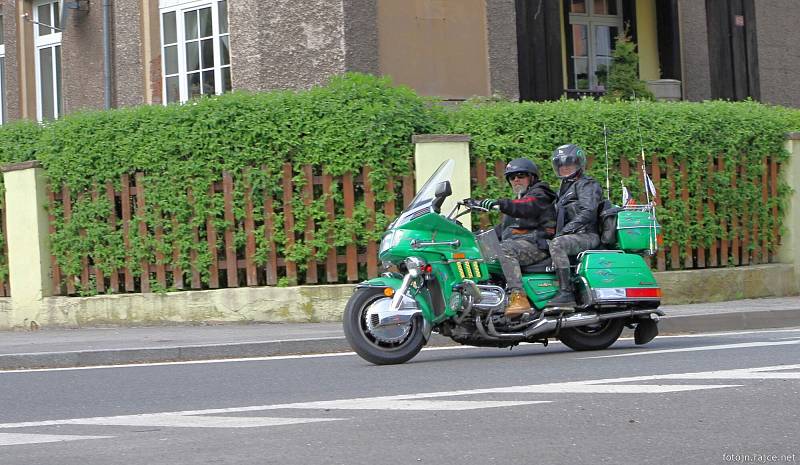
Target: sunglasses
{"x": 518, "y": 176}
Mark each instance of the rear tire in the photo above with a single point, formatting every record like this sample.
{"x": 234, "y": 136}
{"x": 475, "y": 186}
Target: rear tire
{"x": 592, "y": 337}
{"x": 365, "y": 344}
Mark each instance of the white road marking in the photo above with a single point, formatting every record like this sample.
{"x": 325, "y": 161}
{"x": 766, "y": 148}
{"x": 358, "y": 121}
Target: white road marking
{"x": 764, "y": 372}
{"x": 347, "y": 354}
{"x": 583, "y": 388}
{"x": 743, "y": 345}
{"x": 13, "y": 439}
{"x": 420, "y": 401}
{"x": 383, "y": 403}
{"x": 193, "y": 421}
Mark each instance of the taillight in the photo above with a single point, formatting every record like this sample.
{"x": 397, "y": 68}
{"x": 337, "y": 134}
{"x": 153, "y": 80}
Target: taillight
{"x": 643, "y": 292}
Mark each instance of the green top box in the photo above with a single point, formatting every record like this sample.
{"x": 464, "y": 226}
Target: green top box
{"x": 637, "y": 230}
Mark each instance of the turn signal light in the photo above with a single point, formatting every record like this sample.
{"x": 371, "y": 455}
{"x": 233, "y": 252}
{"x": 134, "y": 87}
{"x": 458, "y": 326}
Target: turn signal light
{"x": 643, "y": 292}
{"x": 388, "y": 291}
{"x": 427, "y": 268}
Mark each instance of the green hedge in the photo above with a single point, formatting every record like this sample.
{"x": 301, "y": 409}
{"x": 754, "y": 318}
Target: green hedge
{"x": 355, "y": 121}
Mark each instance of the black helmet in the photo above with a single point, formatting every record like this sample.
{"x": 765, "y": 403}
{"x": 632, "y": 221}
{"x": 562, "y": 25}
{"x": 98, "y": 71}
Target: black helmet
{"x": 521, "y": 165}
{"x": 569, "y": 154}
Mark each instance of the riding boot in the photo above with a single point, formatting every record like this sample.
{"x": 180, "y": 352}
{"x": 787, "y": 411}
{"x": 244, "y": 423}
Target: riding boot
{"x": 518, "y": 303}
{"x": 565, "y": 299}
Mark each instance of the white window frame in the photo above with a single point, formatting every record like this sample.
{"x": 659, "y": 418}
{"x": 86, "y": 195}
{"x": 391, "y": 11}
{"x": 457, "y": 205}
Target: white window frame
{"x": 52, "y": 40}
{"x": 179, "y": 7}
{"x": 590, "y": 20}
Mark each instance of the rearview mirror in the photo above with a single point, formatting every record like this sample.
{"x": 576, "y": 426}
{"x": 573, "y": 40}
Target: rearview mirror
{"x": 443, "y": 190}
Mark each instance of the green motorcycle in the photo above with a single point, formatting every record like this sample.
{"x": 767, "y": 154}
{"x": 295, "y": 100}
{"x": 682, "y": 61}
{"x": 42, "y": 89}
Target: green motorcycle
{"x": 450, "y": 282}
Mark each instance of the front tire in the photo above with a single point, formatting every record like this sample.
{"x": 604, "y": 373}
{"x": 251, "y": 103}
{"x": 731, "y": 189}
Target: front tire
{"x": 371, "y": 348}
{"x": 592, "y": 337}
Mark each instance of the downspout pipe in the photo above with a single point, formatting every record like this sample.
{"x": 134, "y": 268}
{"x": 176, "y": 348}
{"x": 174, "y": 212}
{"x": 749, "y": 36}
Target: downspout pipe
{"x": 107, "y": 54}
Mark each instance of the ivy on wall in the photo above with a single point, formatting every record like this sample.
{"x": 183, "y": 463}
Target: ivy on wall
{"x": 354, "y": 121}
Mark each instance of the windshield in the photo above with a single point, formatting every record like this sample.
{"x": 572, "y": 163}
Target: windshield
{"x": 428, "y": 191}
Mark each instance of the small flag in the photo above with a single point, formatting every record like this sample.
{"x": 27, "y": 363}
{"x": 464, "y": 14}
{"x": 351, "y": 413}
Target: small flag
{"x": 651, "y": 188}
{"x": 626, "y": 196}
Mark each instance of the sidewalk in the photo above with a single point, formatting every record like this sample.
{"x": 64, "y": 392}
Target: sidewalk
{"x": 109, "y": 346}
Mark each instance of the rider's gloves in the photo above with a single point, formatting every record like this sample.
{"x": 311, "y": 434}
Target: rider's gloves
{"x": 488, "y": 204}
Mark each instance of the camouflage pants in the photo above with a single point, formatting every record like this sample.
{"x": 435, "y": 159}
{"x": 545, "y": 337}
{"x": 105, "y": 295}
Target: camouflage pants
{"x": 516, "y": 253}
{"x": 571, "y": 244}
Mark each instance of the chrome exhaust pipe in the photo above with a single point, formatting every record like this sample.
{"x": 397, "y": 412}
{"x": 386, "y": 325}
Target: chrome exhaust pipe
{"x": 582, "y": 319}
{"x": 547, "y": 324}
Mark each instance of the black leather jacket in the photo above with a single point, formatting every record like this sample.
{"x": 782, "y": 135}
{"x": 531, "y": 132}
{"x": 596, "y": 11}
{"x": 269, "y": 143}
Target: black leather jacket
{"x": 577, "y": 205}
{"x": 531, "y": 217}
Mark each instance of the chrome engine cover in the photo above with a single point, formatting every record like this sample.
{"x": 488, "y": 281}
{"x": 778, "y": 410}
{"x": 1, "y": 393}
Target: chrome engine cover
{"x": 492, "y": 297}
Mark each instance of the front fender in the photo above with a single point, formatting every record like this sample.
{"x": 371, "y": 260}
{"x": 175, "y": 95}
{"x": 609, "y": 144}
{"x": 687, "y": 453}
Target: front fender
{"x": 422, "y": 296}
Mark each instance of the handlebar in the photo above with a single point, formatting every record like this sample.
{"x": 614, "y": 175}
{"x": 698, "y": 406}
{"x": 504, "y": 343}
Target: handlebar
{"x": 472, "y": 204}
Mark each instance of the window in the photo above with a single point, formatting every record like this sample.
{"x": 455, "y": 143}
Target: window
{"x": 594, "y": 26}
{"x": 47, "y": 43}
{"x": 2, "y": 72}
{"x": 195, "y": 49}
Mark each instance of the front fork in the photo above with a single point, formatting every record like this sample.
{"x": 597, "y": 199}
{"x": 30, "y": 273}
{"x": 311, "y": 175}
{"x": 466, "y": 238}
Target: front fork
{"x": 403, "y": 307}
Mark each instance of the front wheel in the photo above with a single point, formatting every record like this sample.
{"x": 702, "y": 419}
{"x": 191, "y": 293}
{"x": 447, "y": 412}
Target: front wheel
{"x": 384, "y": 345}
{"x": 592, "y": 337}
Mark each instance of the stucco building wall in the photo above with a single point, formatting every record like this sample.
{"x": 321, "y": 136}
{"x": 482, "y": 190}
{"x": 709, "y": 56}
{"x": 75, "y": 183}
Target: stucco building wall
{"x": 778, "y": 54}
{"x": 501, "y": 27}
{"x": 11, "y": 91}
{"x": 284, "y": 44}
{"x": 82, "y": 59}
{"x": 694, "y": 50}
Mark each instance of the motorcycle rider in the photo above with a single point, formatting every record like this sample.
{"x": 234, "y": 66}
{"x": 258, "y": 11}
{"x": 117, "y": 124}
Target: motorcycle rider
{"x": 529, "y": 220}
{"x": 579, "y": 196}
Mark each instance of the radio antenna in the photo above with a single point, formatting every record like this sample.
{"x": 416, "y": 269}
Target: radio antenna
{"x": 605, "y": 142}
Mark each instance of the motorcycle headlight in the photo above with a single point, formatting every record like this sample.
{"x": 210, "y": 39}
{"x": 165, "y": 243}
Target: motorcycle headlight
{"x": 390, "y": 239}
{"x": 386, "y": 242}
{"x": 416, "y": 266}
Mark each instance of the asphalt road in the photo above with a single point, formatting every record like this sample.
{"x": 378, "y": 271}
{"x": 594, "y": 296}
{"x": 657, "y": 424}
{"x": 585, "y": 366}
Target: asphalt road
{"x": 709, "y": 398}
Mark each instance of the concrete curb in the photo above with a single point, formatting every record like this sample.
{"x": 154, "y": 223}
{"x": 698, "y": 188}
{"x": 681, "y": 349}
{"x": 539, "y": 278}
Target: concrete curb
{"x": 679, "y": 324}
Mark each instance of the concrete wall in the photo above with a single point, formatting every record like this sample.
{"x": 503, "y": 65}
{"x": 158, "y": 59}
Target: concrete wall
{"x": 255, "y": 304}
{"x": 790, "y": 241}
{"x": 720, "y": 284}
{"x": 695, "y": 66}
{"x": 778, "y": 55}
{"x": 284, "y": 44}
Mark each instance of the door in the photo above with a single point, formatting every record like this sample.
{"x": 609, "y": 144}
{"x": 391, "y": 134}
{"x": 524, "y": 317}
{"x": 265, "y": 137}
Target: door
{"x": 539, "y": 49}
{"x": 732, "y": 49}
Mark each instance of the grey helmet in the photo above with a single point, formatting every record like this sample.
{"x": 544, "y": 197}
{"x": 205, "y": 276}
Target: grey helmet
{"x": 521, "y": 165}
{"x": 569, "y": 154}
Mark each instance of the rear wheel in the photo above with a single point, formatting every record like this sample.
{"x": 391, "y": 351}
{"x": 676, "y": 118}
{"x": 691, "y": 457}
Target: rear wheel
{"x": 592, "y": 337}
{"x": 379, "y": 345}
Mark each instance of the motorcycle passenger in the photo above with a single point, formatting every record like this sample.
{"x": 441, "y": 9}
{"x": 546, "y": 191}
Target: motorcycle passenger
{"x": 529, "y": 220}
{"x": 576, "y": 208}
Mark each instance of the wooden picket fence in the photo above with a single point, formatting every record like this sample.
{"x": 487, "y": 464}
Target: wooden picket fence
{"x": 234, "y": 267}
